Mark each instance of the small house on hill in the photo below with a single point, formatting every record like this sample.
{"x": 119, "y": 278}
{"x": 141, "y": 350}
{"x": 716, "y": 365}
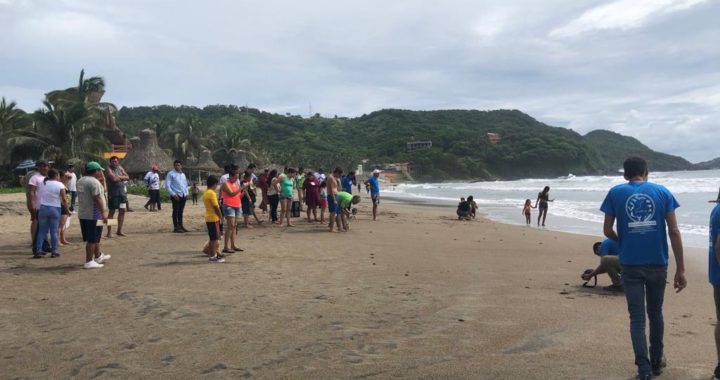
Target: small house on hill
{"x": 412, "y": 146}
{"x": 493, "y": 138}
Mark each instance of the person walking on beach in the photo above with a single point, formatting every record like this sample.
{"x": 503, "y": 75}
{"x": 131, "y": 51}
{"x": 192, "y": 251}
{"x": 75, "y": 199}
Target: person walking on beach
{"x": 542, "y": 204}
{"x": 52, "y": 198}
{"x": 374, "y": 185}
{"x": 71, "y": 185}
{"x": 645, "y": 214}
{"x": 91, "y": 199}
{"x": 117, "y": 193}
{"x": 177, "y": 186}
{"x": 212, "y": 219}
{"x": 195, "y": 191}
{"x": 527, "y": 211}
{"x": 714, "y": 276}
{"x": 152, "y": 181}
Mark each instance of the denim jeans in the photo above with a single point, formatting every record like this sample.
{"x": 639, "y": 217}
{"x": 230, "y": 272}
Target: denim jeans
{"x": 48, "y": 221}
{"x": 641, "y": 282}
{"x": 73, "y": 197}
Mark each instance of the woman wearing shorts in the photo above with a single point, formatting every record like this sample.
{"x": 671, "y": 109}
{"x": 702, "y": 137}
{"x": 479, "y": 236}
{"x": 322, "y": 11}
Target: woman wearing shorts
{"x": 286, "y": 192}
{"x": 542, "y": 204}
{"x": 230, "y": 191}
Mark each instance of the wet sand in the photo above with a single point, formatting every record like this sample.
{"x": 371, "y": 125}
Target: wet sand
{"x": 415, "y": 295}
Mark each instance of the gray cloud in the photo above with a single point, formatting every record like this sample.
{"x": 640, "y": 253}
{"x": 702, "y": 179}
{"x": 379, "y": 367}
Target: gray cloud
{"x": 643, "y": 68}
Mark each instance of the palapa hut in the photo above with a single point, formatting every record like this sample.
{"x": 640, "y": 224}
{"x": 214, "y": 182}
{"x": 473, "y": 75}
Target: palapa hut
{"x": 241, "y": 158}
{"x": 204, "y": 166}
{"x": 144, "y": 154}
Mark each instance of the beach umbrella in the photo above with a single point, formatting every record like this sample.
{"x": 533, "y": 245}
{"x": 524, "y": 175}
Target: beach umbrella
{"x": 25, "y": 165}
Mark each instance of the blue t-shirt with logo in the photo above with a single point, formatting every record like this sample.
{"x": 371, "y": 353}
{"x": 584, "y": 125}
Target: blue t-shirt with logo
{"x": 609, "y": 248}
{"x": 639, "y": 209}
{"x": 374, "y": 185}
{"x": 714, "y": 270}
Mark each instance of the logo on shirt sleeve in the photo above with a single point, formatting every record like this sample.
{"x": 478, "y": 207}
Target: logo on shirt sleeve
{"x": 640, "y": 209}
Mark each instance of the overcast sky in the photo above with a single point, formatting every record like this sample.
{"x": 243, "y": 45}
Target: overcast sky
{"x": 645, "y": 68}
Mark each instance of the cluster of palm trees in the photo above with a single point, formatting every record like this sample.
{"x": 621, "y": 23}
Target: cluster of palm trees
{"x": 69, "y": 125}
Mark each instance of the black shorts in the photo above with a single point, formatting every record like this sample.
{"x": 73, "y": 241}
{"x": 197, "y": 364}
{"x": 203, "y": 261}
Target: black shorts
{"x": 213, "y": 230}
{"x": 246, "y": 207}
{"x": 716, "y": 293}
{"x": 91, "y": 232}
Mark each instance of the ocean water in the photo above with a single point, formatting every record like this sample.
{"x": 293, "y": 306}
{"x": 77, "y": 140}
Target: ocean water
{"x": 577, "y": 200}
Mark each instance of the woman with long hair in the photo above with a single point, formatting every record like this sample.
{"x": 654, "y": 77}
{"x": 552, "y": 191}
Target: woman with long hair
{"x": 542, "y": 204}
{"x": 311, "y": 187}
{"x": 286, "y": 195}
{"x": 52, "y": 197}
{"x": 273, "y": 194}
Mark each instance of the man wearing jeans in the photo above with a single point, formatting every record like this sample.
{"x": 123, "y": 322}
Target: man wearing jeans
{"x": 177, "y": 186}
{"x": 643, "y": 211}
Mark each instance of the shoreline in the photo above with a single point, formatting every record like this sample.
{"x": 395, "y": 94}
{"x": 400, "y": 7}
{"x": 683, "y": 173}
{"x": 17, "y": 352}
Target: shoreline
{"x": 416, "y": 294}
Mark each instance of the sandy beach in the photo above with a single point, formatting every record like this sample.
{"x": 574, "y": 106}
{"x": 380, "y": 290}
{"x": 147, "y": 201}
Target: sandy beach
{"x": 416, "y": 295}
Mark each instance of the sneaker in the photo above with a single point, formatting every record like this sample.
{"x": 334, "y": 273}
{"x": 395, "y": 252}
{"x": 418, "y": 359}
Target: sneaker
{"x": 102, "y": 258}
{"x": 216, "y": 259}
{"x": 55, "y": 255}
{"x": 716, "y": 375}
{"x": 658, "y": 366}
{"x": 644, "y": 377}
{"x": 92, "y": 264}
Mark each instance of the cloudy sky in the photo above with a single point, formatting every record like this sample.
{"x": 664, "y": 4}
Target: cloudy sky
{"x": 645, "y": 68}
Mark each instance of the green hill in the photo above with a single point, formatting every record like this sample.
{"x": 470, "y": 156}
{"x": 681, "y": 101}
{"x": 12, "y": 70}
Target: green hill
{"x": 613, "y": 148}
{"x": 712, "y": 164}
{"x": 460, "y": 148}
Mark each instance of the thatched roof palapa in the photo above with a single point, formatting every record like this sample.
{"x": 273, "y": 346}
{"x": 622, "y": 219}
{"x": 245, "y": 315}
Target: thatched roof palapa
{"x": 146, "y": 153}
{"x": 206, "y": 163}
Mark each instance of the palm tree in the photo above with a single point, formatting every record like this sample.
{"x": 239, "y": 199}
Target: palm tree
{"x": 186, "y": 138}
{"x": 12, "y": 119}
{"x": 60, "y": 135}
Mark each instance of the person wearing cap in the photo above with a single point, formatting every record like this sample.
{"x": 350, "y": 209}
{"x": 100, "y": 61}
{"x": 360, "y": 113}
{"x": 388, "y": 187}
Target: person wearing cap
{"x": 152, "y": 181}
{"x": 92, "y": 207}
{"x": 32, "y": 197}
{"x": 72, "y": 185}
{"x": 374, "y": 185}
{"x": 117, "y": 194}
{"x": 177, "y": 185}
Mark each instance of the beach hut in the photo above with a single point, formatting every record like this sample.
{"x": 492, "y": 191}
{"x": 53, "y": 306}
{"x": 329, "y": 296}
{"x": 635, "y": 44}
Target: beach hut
{"x": 204, "y": 166}
{"x": 144, "y": 154}
{"x": 241, "y": 158}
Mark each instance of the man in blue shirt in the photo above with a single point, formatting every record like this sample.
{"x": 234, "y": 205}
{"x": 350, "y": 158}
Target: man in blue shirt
{"x": 608, "y": 251}
{"x": 643, "y": 210}
{"x": 374, "y": 185}
{"x": 714, "y": 273}
{"x": 176, "y": 184}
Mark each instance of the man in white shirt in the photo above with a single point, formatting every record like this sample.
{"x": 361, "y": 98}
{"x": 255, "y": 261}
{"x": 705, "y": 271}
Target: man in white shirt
{"x": 152, "y": 181}
{"x": 72, "y": 185}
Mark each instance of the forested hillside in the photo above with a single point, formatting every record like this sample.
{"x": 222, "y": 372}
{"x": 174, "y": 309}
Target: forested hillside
{"x": 460, "y": 145}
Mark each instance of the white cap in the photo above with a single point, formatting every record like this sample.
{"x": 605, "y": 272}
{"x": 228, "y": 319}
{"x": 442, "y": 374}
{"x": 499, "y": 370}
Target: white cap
{"x": 377, "y": 171}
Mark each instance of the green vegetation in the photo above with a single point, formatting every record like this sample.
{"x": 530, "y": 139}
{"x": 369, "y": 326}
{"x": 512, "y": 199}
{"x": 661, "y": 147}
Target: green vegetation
{"x": 74, "y": 125}
{"x": 11, "y": 190}
{"x": 460, "y": 147}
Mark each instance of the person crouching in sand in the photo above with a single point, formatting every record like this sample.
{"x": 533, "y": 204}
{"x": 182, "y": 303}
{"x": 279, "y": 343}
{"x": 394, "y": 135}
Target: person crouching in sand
{"x": 463, "y": 210}
{"x": 212, "y": 219}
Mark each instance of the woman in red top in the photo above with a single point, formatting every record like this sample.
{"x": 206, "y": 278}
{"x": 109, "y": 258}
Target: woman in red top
{"x": 312, "y": 195}
{"x": 230, "y": 191}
